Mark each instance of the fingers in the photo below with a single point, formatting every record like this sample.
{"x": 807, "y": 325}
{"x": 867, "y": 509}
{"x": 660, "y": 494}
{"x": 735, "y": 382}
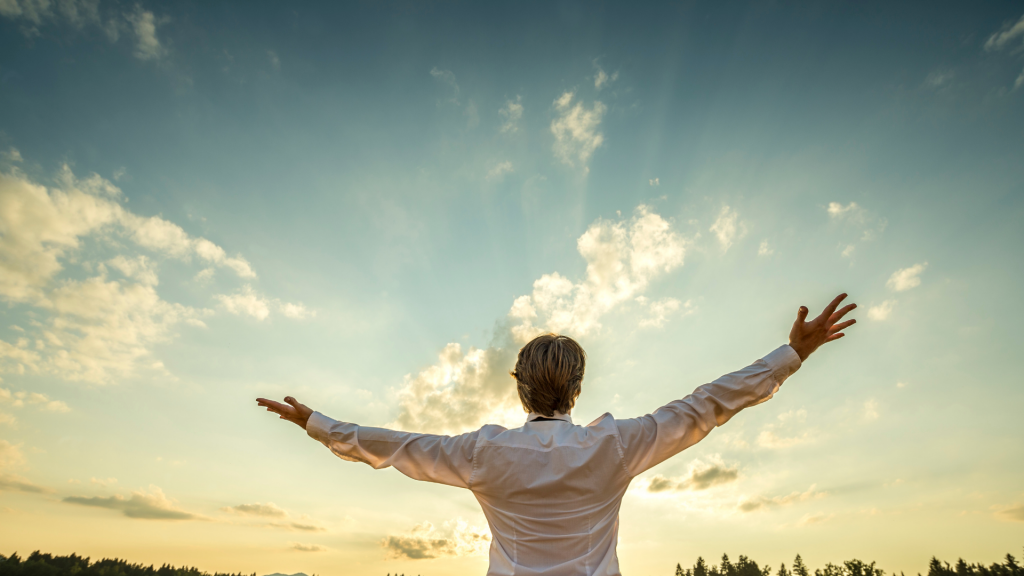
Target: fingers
{"x": 801, "y": 314}
{"x": 271, "y": 405}
{"x": 837, "y": 327}
{"x": 842, "y": 312}
{"x": 835, "y": 336}
{"x": 833, "y": 305}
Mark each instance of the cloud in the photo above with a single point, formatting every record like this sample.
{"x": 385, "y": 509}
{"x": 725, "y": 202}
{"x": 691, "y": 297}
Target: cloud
{"x": 906, "y": 278}
{"x": 512, "y": 112}
{"x": 147, "y": 45}
{"x": 868, "y": 225}
{"x": 1015, "y": 513}
{"x": 274, "y": 60}
{"x": 661, "y": 310}
{"x": 787, "y": 432}
{"x": 881, "y": 311}
{"x": 101, "y": 318}
{"x": 871, "y": 410}
{"x": 654, "y": 182}
{"x": 937, "y": 78}
{"x": 764, "y": 249}
{"x": 499, "y": 170}
{"x": 257, "y": 509}
{"x": 42, "y": 401}
{"x": 456, "y": 539}
{"x": 728, "y": 228}
{"x": 152, "y": 505}
{"x": 296, "y": 311}
{"x": 809, "y": 519}
{"x": 576, "y": 130}
{"x": 298, "y": 526}
{"x": 307, "y": 547}
{"x": 447, "y": 77}
{"x": 766, "y": 503}
{"x": 1009, "y": 33}
{"x": 247, "y": 302}
{"x": 1019, "y": 80}
{"x": 602, "y": 78}
{"x": 701, "y": 476}
{"x": 466, "y": 389}
{"x": 12, "y": 457}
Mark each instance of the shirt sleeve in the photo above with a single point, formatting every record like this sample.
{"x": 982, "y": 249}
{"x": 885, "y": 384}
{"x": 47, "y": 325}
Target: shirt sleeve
{"x": 429, "y": 457}
{"x": 652, "y": 439}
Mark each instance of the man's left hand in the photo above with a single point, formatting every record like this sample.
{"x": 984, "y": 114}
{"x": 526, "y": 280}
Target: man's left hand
{"x": 292, "y": 412}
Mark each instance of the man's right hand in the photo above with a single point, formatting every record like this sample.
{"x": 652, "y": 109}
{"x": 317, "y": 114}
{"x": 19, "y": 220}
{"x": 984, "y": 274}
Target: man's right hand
{"x": 805, "y": 337}
{"x": 296, "y": 413}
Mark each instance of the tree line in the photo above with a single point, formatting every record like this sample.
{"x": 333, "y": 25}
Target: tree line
{"x": 38, "y": 564}
{"x": 746, "y": 567}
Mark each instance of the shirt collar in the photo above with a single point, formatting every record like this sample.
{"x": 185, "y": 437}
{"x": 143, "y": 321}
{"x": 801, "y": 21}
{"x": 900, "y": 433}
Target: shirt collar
{"x": 558, "y": 416}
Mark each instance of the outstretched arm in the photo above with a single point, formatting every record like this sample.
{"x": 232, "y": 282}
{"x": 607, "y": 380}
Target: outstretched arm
{"x": 651, "y": 439}
{"x": 430, "y": 457}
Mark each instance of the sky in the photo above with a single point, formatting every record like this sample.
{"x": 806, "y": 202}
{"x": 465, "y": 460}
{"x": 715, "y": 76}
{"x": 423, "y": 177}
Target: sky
{"x": 372, "y": 205}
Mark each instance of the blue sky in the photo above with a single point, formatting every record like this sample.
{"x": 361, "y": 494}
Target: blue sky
{"x": 201, "y": 204}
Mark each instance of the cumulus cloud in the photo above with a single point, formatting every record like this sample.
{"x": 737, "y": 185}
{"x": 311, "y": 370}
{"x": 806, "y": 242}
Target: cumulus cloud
{"x": 467, "y": 388}
{"x": 1004, "y": 37}
{"x": 701, "y": 476}
{"x": 456, "y": 539}
{"x": 19, "y": 399}
{"x": 766, "y": 503}
{"x": 102, "y": 318}
{"x": 147, "y": 45}
{"x": 11, "y": 457}
{"x": 151, "y": 505}
{"x": 654, "y": 182}
{"x": 881, "y": 311}
{"x": 871, "y": 410}
{"x": 307, "y": 547}
{"x": 906, "y": 278}
{"x": 499, "y": 170}
{"x": 727, "y": 228}
{"x": 257, "y": 509}
{"x": 295, "y": 310}
{"x": 246, "y": 302}
{"x": 511, "y": 112}
{"x": 576, "y": 130}
{"x": 790, "y": 430}
{"x": 764, "y": 249}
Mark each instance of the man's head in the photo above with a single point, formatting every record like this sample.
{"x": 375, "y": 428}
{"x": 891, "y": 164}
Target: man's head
{"x": 549, "y": 374}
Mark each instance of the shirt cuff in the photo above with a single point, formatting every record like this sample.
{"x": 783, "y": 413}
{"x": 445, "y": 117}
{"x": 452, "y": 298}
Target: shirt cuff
{"x": 783, "y": 361}
{"x": 319, "y": 427}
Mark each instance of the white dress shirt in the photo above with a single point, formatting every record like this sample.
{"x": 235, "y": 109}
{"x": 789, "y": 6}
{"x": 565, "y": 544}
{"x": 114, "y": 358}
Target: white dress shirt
{"x": 551, "y": 489}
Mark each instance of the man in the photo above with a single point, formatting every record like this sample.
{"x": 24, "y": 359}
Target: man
{"x": 551, "y": 489}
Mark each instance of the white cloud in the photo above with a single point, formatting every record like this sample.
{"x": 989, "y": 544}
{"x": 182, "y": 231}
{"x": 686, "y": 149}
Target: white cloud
{"x": 837, "y": 210}
{"x": 499, "y": 170}
{"x": 103, "y": 482}
{"x": 765, "y": 503}
{"x": 512, "y": 112}
{"x": 448, "y": 77}
{"x": 871, "y": 410}
{"x": 456, "y": 539}
{"x": 654, "y": 182}
{"x": 661, "y": 310}
{"x": 728, "y": 228}
{"x": 937, "y": 78}
{"x": 465, "y": 389}
{"x": 1019, "y": 80}
{"x": 11, "y": 156}
{"x": 147, "y": 45}
{"x": 853, "y": 216}
{"x": 295, "y": 311}
{"x": 257, "y": 509}
{"x": 848, "y": 251}
{"x": 764, "y": 249}
{"x": 881, "y": 311}
{"x": 274, "y": 60}
{"x": 576, "y": 130}
{"x": 1000, "y": 39}
{"x": 602, "y": 78}
{"x": 96, "y": 328}
{"x": 246, "y": 301}
{"x": 906, "y": 278}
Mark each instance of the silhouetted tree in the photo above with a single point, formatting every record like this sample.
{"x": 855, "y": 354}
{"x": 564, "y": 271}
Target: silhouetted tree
{"x": 799, "y": 568}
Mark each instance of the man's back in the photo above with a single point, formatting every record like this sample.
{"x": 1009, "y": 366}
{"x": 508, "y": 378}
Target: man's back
{"x": 551, "y": 492}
